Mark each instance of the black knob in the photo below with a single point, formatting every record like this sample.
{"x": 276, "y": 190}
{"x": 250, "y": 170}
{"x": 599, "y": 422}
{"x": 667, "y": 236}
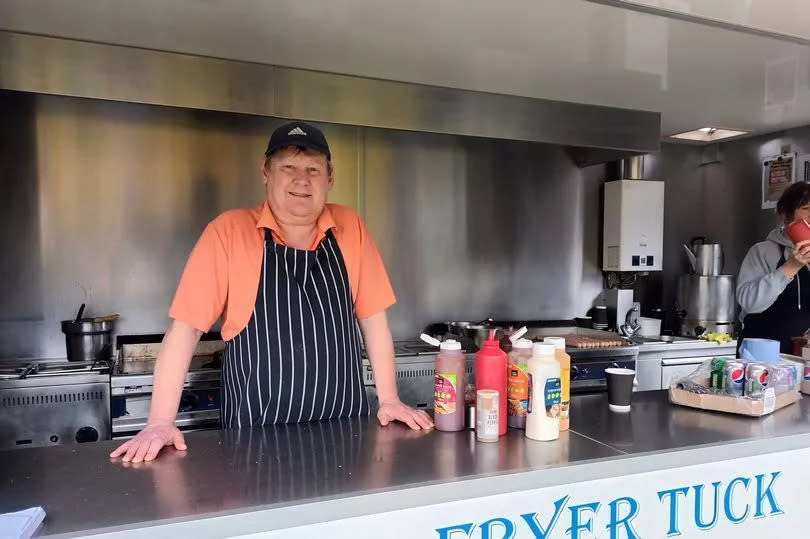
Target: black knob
{"x": 54, "y": 438}
{"x": 574, "y": 371}
{"x": 699, "y": 330}
{"x": 86, "y": 434}
{"x": 188, "y": 402}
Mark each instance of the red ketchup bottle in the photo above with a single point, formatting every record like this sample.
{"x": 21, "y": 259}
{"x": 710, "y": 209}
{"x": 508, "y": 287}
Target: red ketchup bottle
{"x": 490, "y": 373}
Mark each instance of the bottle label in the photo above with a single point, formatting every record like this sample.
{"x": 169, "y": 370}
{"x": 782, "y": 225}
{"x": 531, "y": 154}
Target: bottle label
{"x": 553, "y": 395}
{"x": 565, "y": 398}
{"x": 517, "y": 389}
{"x": 444, "y": 393}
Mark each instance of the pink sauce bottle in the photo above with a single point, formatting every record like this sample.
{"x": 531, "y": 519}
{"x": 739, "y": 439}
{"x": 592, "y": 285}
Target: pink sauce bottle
{"x": 448, "y": 387}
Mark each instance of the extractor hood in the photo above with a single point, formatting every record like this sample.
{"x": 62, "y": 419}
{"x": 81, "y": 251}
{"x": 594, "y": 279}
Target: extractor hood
{"x": 48, "y": 65}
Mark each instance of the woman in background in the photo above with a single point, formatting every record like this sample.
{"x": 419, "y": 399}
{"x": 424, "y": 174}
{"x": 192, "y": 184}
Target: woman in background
{"x": 773, "y": 288}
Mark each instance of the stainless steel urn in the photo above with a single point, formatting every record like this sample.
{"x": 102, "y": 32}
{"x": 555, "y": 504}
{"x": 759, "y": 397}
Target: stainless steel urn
{"x": 706, "y": 303}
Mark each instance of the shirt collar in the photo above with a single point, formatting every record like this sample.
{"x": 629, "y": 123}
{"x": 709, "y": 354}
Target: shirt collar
{"x": 268, "y": 220}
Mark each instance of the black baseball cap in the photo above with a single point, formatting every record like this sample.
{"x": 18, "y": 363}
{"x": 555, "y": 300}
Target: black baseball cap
{"x": 298, "y": 134}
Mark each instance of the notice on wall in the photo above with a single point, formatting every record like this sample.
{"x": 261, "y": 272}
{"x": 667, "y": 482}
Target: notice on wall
{"x": 746, "y": 497}
{"x": 778, "y": 173}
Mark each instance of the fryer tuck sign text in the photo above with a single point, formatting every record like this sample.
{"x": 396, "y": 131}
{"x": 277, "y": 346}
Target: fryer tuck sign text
{"x": 697, "y": 507}
{"x": 759, "y": 496}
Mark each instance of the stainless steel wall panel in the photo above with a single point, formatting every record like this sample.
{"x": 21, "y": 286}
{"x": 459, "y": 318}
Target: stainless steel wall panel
{"x": 120, "y": 194}
{"x": 471, "y": 228}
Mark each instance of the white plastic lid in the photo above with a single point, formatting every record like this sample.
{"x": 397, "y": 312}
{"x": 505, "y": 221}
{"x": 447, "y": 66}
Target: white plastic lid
{"x": 523, "y": 344}
{"x": 450, "y": 344}
{"x": 558, "y": 342}
{"x": 541, "y": 349}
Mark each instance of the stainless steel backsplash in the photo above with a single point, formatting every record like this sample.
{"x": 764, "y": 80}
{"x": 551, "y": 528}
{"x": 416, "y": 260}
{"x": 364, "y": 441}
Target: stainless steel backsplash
{"x": 102, "y": 202}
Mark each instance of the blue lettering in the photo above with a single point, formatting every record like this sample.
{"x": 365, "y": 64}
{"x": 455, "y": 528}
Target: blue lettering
{"x": 576, "y": 525}
{"x": 673, "y": 507}
{"x": 626, "y": 521}
{"x": 761, "y": 495}
{"x": 539, "y": 531}
{"x": 727, "y": 499}
{"x": 699, "y": 506}
{"x": 448, "y": 533}
{"x": 508, "y": 528}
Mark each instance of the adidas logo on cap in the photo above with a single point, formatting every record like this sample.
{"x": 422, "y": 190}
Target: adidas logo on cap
{"x": 297, "y": 131}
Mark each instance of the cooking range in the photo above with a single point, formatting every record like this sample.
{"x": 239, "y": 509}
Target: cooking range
{"x": 587, "y": 364}
{"x": 53, "y": 402}
{"x": 132, "y": 380}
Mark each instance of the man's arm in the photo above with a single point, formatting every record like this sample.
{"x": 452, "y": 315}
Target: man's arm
{"x": 380, "y": 350}
{"x": 171, "y": 367}
{"x": 170, "y": 371}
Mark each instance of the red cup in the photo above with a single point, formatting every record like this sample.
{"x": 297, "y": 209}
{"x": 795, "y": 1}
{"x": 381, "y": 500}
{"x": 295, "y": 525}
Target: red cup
{"x": 798, "y": 231}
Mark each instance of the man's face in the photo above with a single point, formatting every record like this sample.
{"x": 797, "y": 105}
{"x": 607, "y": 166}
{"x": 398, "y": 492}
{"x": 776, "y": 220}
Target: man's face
{"x": 297, "y": 182}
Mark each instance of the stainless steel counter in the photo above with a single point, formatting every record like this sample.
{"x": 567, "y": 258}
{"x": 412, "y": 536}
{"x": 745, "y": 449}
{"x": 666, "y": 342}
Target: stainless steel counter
{"x": 249, "y": 472}
{"x": 656, "y": 425}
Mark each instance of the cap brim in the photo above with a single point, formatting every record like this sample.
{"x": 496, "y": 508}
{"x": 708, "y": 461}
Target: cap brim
{"x": 298, "y": 144}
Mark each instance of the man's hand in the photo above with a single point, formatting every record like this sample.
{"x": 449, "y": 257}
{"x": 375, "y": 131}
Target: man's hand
{"x": 397, "y": 411}
{"x": 799, "y": 259}
{"x": 146, "y": 445}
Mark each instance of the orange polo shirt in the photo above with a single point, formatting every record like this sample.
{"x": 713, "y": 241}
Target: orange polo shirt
{"x": 222, "y": 274}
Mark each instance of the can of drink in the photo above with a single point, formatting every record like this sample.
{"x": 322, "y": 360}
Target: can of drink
{"x": 806, "y": 378}
{"x": 784, "y": 377}
{"x": 756, "y": 380}
{"x": 716, "y": 379}
{"x": 794, "y": 376}
{"x": 734, "y": 377}
{"x": 486, "y": 415}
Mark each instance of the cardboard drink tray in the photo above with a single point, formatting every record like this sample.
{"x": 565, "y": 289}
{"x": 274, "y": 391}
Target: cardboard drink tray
{"x": 730, "y": 404}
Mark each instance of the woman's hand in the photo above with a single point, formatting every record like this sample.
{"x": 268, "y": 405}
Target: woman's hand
{"x": 799, "y": 259}
{"x": 397, "y": 411}
{"x": 146, "y": 445}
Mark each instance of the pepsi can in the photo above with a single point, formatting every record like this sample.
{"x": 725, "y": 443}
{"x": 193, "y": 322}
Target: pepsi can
{"x": 734, "y": 377}
{"x": 756, "y": 380}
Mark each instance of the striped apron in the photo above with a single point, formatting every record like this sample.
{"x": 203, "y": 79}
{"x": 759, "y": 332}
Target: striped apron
{"x": 298, "y": 358}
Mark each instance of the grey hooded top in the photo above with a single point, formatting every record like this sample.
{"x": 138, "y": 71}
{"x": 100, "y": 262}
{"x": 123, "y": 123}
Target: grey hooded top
{"x": 760, "y": 282}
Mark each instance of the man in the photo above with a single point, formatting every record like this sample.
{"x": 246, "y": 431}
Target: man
{"x": 289, "y": 279}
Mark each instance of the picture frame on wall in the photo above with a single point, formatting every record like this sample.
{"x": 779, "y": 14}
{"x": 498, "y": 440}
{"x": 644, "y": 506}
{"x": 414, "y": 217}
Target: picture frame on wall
{"x": 778, "y": 173}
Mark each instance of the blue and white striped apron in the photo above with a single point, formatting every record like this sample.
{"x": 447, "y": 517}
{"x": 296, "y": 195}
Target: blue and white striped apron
{"x": 298, "y": 358}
